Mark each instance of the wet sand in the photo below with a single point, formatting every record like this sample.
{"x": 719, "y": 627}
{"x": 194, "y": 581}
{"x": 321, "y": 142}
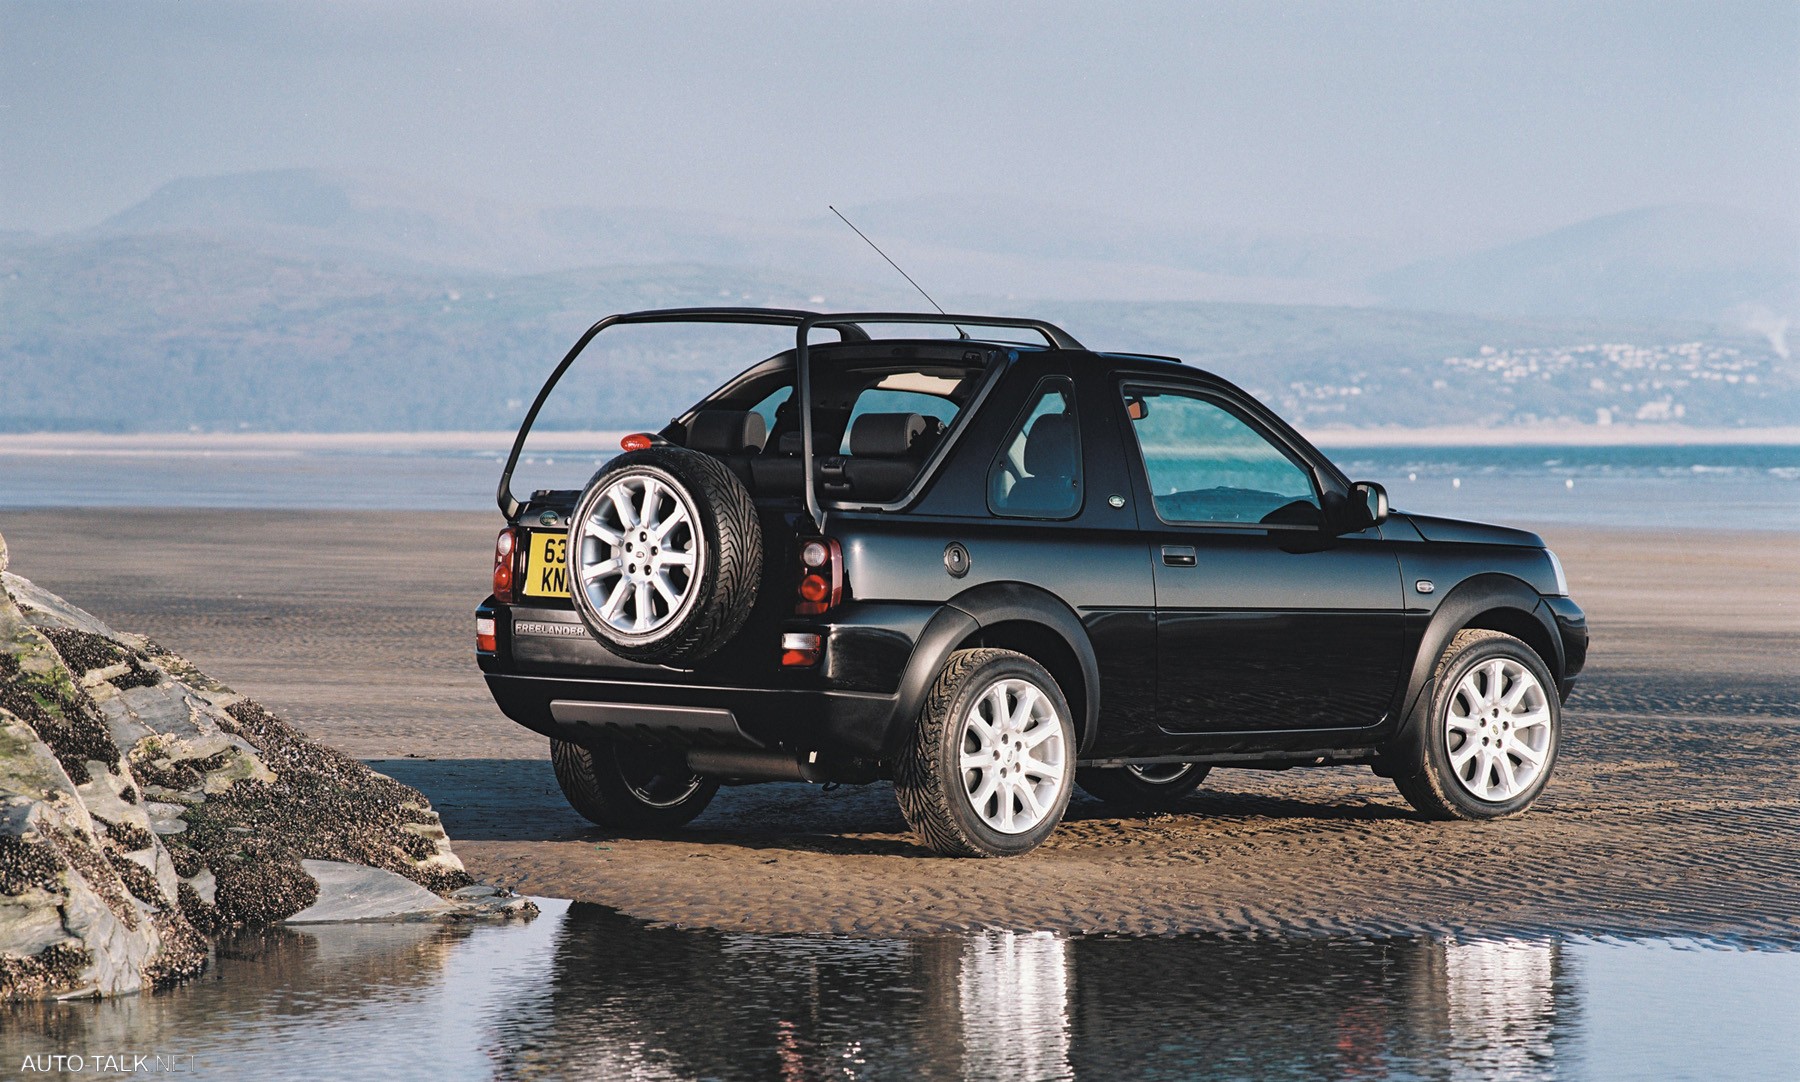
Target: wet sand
{"x": 1675, "y": 809}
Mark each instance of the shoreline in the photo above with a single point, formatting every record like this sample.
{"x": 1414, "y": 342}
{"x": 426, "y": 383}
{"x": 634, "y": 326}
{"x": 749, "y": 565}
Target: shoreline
{"x": 500, "y": 441}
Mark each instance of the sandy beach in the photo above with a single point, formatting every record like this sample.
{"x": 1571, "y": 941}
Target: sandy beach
{"x": 1675, "y": 809}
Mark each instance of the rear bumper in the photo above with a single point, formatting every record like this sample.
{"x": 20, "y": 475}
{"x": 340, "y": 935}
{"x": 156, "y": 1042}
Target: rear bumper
{"x": 838, "y": 723}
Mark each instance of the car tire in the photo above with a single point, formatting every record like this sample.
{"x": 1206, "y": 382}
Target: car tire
{"x": 1487, "y": 744}
{"x": 665, "y": 555}
{"x": 1153, "y": 788}
{"x": 991, "y": 764}
{"x": 628, "y": 786}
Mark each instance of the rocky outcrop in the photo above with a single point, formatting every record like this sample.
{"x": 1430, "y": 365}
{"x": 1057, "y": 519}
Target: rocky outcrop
{"x": 145, "y": 806}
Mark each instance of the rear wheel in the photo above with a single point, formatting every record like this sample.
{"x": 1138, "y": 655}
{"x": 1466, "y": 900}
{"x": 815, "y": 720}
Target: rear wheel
{"x": 1486, "y": 748}
{"x": 1152, "y": 787}
{"x": 992, "y": 760}
{"x": 616, "y": 783}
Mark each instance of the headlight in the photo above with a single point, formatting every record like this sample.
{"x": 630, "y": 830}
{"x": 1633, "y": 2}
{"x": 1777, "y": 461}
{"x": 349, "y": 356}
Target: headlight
{"x": 1562, "y": 580}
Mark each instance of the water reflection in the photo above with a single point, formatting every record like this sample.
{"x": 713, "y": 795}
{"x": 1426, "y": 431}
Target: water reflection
{"x": 586, "y": 993}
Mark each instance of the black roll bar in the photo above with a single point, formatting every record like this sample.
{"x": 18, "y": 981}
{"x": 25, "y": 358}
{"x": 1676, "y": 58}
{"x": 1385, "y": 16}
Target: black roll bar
{"x": 776, "y": 317}
{"x": 848, "y": 327}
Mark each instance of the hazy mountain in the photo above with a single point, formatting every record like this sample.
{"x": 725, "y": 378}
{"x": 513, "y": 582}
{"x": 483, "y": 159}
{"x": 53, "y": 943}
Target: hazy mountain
{"x": 1047, "y": 231}
{"x": 953, "y": 246}
{"x": 1696, "y": 262}
{"x": 306, "y": 299}
{"x": 404, "y": 222}
{"x": 164, "y": 331}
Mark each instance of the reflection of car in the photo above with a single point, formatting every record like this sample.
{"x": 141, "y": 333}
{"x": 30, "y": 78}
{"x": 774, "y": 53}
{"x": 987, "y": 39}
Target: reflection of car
{"x": 991, "y": 571}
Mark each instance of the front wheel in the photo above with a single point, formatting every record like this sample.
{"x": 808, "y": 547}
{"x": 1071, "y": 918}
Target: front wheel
{"x": 1148, "y": 788}
{"x": 992, "y": 761}
{"x": 1486, "y": 748}
{"x": 623, "y": 785}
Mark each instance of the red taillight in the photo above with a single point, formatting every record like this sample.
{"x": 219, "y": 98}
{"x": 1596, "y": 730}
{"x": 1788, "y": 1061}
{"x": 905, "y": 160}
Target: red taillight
{"x": 637, "y": 441}
{"x": 821, "y": 578}
{"x": 505, "y": 548}
{"x": 799, "y": 649}
{"x": 484, "y": 635}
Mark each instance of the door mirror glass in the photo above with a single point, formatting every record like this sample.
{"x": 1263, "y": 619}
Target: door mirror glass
{"x": 1370, "y": 500}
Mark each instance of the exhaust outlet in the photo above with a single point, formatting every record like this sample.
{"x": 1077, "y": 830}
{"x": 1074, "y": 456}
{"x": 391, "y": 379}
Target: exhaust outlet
{"x": 752, "y": 765}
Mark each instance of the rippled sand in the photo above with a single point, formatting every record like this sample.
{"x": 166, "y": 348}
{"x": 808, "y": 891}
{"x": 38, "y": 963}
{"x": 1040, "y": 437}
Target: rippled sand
{"x": 1675, "y": 809}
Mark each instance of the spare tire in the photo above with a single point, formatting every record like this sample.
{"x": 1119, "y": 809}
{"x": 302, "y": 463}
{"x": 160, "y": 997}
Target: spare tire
{"x": 665, "y": 555}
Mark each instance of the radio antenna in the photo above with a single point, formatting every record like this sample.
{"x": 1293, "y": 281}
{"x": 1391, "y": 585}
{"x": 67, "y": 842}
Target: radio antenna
{"x": 909, "y": 278}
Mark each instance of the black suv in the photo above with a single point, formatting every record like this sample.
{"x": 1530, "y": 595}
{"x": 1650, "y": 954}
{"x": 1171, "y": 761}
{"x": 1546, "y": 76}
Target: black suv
{"x": 991, "y": 572}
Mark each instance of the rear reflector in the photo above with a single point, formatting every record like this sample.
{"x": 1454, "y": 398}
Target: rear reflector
{"x": 799, "y": 649}
{"x": 637, "y": 441}
{"x": 484, "y": 635}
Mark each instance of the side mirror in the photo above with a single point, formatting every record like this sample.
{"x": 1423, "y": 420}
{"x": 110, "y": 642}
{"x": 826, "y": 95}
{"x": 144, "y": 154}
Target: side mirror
{"x": 1371, "y": 500}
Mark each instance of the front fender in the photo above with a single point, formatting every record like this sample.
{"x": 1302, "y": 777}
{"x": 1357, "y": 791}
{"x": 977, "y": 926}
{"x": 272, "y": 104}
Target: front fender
{"x": 1502, "y": 602}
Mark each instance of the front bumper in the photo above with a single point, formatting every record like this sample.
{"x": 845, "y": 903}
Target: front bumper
{"x": 1572, "y": 629}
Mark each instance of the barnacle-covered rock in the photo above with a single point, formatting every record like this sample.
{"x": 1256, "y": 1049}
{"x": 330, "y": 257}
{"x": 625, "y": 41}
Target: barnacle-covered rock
{"x": 144, "y": 805}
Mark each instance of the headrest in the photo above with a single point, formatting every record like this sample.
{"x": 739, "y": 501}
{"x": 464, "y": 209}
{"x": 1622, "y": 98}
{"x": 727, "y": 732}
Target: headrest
{"x": 726, "y": 432}
{"x": 1050, "y": 446}
{"x": 888, "y": 435}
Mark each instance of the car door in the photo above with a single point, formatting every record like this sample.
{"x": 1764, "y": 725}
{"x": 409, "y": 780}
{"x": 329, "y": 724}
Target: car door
{"x": 1266, "y": 620}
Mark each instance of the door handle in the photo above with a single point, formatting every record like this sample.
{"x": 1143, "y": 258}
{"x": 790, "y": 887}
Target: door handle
{"x": 1178, "y": 555}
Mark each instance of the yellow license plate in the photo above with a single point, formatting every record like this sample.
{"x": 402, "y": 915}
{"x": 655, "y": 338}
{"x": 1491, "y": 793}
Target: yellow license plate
{"x": 547, "y": 565}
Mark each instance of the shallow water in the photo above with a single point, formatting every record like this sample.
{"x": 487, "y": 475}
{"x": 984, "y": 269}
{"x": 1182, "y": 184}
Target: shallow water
{"x": 585, "y": 992}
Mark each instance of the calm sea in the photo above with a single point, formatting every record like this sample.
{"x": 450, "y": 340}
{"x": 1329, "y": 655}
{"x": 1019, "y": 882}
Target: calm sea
{"x": 1734, "y": 486}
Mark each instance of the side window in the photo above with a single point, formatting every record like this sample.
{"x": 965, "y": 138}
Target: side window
{"x": 1037, "y": 473}
{"x": 773, "y": 402}
{"x": 1207, "y": 464}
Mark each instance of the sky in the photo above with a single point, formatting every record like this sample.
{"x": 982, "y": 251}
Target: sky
{"x": 1453, "y": 125}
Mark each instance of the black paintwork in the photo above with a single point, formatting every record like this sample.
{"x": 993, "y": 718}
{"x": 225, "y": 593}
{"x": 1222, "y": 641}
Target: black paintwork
{"x": 1265, "y": 645}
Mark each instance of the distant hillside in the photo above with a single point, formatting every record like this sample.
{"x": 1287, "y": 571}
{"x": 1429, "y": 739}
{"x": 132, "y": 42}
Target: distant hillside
{"x": 1680, "y": 262}
{"x": 165, "y": 331}
{"x": 957, "y": 245}
{"x": 307, "y": 299}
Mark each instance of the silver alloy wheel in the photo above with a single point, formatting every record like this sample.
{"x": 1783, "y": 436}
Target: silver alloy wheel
{"x": 1160, "y": 773}
{"x": 1014, "y": 762}
{"x": 1497, "y": 730}
{"x": 638, "y": 554}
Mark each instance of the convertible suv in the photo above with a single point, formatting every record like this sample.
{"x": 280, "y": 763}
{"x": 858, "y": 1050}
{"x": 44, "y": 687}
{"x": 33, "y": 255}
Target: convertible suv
{"x": 991, "y": 572}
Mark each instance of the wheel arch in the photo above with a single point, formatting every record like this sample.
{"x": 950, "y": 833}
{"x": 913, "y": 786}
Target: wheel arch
{"x": 1492, "y": 602}
{"x": 1012, "y": 616}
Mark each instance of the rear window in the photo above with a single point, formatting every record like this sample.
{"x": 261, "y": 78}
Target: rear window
{"x": 846, "y": 389}
{"x": 885, "y": 398}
